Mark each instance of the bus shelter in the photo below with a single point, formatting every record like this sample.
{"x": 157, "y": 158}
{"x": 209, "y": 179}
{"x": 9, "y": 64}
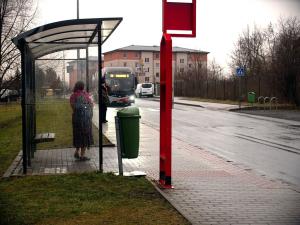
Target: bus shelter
{"x": 40, "y": 42}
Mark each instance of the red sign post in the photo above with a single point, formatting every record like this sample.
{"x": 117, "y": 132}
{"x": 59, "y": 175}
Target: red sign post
{"x": 179, "y": 20}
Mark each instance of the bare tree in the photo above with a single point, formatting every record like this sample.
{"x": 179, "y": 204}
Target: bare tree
{"x": 199, "y": 67}
{"x": 286, "y": 53}
{"x": 272, "y": 52}
{"x": 16, "y": 16}
{"x": 249, "y": 51}
{"x": 215, "y": 71}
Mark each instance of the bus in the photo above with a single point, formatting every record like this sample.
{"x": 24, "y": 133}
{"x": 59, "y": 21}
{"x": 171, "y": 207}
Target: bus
{"x": 121, "y": 82}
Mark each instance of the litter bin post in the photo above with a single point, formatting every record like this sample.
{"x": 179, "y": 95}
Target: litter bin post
{"x": 129, "y": 129}
{"x": 128, "y": 132}
{"x": 120, "y": 163}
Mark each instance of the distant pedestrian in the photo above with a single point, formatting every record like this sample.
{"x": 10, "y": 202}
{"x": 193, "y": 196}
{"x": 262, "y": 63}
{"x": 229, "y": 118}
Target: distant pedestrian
{"x": 82, "y": 107}
{"x": 105, "y": 101}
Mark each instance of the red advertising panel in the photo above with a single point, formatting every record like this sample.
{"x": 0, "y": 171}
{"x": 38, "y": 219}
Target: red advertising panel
{"x": 179, "y": 18}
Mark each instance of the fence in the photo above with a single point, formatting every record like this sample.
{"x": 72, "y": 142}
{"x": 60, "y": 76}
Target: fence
{"x": 228, "y": 89}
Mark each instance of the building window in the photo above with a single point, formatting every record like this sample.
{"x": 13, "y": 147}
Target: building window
{"x": 146, "y": 79}
{"x": 157, "y": 74}
{"x": 157, "y": 55}
{"x": 146, "y": 59}
{"x": 147, "y": 69}
{"x": 181, "y": 70}
{"x": 190, "y": 65}
{"x": 125, "y": 64}
{"x": 181, "y": 60}
{"x": 157, "y": 64}
{"x": 124, "y": 55}
{"x": 137, "y": 55}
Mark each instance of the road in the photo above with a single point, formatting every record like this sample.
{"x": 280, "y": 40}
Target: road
{"x": 268, "y": 146}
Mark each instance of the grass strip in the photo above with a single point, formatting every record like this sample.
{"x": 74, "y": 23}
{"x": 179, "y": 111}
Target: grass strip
{"x": 89, "y": 198}
{"x": 10, "y": 134}
{"x": 52, "y": 115}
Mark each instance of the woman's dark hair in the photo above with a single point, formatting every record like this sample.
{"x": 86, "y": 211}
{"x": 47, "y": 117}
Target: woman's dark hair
{"x": 79, "y": 86}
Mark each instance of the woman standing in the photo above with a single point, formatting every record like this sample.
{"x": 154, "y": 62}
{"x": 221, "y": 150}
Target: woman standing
{"x": 82, "y": 107}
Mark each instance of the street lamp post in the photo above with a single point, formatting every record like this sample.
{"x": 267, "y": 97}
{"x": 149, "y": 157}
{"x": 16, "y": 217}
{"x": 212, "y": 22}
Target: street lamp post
{"x": 78, "y": 51}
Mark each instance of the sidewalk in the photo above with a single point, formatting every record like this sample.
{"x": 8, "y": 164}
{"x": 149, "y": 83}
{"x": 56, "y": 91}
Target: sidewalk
{"x": 210, "y": 190}
{"x": 208, "y": 105}
{"x": 272, "y": 114}
{"x": 207, "y": 188}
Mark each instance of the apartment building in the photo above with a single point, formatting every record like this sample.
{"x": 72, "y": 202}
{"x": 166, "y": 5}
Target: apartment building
{"x": 77, "y": 70}
{"x": 145, "y": 60}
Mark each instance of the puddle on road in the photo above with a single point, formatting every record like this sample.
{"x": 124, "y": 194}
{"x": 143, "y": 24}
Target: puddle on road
{"x": 293, "y": 126}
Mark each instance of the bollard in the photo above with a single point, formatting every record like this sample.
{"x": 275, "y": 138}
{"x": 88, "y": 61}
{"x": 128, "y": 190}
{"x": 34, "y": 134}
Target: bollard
{"x": 265, "y": 101}
{"x": 275, "y": 100}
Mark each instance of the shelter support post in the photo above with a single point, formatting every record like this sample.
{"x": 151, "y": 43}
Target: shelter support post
{"x": 28, "y": 105}
{"x": 23, "y": 105}
{"x": 165, "y": 177}
{"x": 34, "y": 105}
{"x": 100, "y": 96}
{"x": 87, "y": 69}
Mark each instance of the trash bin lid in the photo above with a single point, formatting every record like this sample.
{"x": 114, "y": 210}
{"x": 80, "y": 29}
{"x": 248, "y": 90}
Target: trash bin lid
{"x": 129, "y": 112}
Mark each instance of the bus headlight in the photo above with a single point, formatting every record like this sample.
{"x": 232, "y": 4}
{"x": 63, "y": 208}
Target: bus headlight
{"x": 131, "y": 97}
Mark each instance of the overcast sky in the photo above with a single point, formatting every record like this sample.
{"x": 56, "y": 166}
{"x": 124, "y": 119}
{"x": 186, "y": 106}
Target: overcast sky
{"x": 219, "y": 22}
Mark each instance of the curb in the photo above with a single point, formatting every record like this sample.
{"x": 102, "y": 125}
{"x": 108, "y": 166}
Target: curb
{"x": 188, "y": 104}
{"x": 14, "y": 165}
{"x": 180, "y": 103}
{"x": 177, "y": 208}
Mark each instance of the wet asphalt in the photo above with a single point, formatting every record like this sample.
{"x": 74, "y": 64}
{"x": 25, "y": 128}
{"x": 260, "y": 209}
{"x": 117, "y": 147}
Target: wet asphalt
{"x": 256, "y": 140}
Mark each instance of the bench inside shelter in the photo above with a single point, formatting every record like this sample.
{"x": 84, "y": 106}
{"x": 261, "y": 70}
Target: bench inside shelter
{"x": 44, "y": 137}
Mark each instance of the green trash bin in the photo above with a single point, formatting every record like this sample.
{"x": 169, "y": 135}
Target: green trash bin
{"x": 251, "y": 97}
{"x": 129, "y": 131}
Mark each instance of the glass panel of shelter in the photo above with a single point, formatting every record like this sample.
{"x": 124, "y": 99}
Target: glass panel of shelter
{"x": 109, "y": 24}
{"x": 47, "y": 49}
{"x": 33, "y": 45}
{"x": 54, "y": 83}
{"x": 103, "y": 38}
{"x": 65, "y": 35}
{"x": 62, "y": 29}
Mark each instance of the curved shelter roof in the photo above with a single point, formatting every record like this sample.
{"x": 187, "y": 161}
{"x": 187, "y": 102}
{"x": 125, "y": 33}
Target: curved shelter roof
{"x": 67, "y": 34}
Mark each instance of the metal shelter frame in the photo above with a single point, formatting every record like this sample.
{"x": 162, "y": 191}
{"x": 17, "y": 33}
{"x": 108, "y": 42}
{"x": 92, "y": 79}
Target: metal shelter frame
{"x": 51, "y": 38}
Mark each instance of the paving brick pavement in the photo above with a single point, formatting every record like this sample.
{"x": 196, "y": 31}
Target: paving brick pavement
{"x": 207, "y": 188}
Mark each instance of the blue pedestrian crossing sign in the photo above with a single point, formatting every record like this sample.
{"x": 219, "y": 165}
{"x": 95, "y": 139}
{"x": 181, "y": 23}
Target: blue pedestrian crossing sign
{"x": 240, "y": 71}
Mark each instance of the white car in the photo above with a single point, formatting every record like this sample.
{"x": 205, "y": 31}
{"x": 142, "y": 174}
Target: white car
{"x": 144, "y": 89}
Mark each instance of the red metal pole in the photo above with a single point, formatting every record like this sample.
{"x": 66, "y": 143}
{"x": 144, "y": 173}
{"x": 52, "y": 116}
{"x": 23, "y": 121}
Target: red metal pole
{"x": 165, "y": 111}
{"x": 178, "y": 16}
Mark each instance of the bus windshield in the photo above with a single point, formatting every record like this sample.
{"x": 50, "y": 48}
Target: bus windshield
{"x": 119, "y": 83}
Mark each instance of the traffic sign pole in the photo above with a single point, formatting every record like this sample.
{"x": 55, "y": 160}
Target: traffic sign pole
{"x": 240, "y": 72}
{"x": 240, "y": 90}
